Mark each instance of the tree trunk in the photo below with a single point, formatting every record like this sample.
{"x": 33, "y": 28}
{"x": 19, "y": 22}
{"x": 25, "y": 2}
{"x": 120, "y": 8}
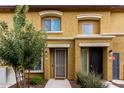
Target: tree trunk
{"x": 28, "y": 78}
{"x": 17, "y": 85}
{"x": 23, "y": 78}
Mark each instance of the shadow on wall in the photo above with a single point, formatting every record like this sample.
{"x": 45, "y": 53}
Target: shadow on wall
{"x": 7, "y": 76}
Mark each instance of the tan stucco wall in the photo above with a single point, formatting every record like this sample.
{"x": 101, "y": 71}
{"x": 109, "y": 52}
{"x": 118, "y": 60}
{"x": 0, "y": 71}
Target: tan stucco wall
{"x": 7, "y": 17}
{"x": 34, "y": 17}
{"x": 117, "y": 22}
{"x": 118, "y": 46}
{"x": 69, "y": 22}
{"x": 111, "y": 22}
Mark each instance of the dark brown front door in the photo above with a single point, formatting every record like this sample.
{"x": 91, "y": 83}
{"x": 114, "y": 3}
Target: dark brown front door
{"x": 96, "y": 60}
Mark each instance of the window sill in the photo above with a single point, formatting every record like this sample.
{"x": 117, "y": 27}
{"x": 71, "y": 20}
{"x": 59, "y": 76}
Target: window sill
{"x": 57, "y": 32}
{"x": 34, "y": 71}
{"x": 92, "y": 36}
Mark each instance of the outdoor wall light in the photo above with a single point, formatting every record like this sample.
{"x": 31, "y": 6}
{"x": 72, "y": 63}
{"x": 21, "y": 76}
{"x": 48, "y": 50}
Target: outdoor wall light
{"x": 46, "y": 53}
{"x": 110, "y": 52}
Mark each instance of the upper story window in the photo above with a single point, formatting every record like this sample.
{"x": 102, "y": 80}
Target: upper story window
{"x": 89, "y": 23}
{"x": 51, "y": 20}
{"x": 51, "y": 24}
{"x": 87, "y": 28}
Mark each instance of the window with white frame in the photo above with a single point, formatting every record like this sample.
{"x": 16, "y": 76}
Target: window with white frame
{"x": 51, "y": 24}
{"x": 87, "y": 28}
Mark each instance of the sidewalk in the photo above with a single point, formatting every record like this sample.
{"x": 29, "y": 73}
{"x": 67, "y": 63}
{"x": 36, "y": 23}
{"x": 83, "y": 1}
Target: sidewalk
{"x": 119, "y": 83}
{"x": 111, "y": 85}
{"x": 52, "y": 83}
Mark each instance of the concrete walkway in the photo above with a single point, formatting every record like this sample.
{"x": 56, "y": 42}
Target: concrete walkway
{"x": 119, "y": 83}
{"x": 52, "y": 83}
{"x": 110, "y": 85}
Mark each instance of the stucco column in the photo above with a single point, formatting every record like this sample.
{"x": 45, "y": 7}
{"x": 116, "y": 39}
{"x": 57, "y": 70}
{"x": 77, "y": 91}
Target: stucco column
{"x": 71, "y": 61}
{"x": 109, "y": 65}
{"x": 47, "y": 64}
{"x": 77, "y": 57}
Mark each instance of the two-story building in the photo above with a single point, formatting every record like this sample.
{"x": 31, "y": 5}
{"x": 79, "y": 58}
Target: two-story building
{"x": 80, "y": 39}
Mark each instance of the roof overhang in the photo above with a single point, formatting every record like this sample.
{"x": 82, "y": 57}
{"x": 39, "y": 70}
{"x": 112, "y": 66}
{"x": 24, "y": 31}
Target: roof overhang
{"x": 69, "y": 7}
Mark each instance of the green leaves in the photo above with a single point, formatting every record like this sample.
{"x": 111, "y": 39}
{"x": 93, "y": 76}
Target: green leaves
{"x": 8, "y": 48}
{"x": 19, "y": 19}
{"x": 3, "y": 26}
{"x": 90, "y": 80}
{"x": 24, "y": 45}
{"x": 21, "y": 9}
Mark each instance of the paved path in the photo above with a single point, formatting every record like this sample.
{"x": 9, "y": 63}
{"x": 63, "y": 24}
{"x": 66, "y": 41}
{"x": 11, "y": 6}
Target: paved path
{"x": 111, "y": 85}
{"x": 52, "y": 83}
{"x": 118, "y": 81}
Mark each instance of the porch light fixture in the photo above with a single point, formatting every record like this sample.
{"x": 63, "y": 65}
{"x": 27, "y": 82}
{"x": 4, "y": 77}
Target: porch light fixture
{"x": 110, "y": 52}
{"x": 46, "y": 53}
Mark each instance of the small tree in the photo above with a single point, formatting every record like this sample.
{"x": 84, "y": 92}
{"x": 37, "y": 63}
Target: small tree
{"x": 9, "y": 48}
{"x": 23, "y": 46}
{"x": 34, "y": 43}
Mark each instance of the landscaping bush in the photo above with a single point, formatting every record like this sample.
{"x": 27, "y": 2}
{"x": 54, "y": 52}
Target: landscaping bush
{"x": 90, "y": 80}
{"x": 37, "y": 80}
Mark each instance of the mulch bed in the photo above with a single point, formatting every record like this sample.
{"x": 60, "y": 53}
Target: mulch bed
{"x": 74, "y": 84}
{"x": 31, "y": 86}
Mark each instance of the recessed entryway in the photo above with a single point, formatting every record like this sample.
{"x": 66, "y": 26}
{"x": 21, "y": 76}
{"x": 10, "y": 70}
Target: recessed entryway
{"x": 92, "y": 60}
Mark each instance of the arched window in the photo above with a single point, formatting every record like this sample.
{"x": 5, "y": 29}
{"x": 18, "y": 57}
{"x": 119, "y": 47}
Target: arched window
{"x": 89, "y": 23}
{"x": 52, "y": 24}
{"x": 51, "y": 20}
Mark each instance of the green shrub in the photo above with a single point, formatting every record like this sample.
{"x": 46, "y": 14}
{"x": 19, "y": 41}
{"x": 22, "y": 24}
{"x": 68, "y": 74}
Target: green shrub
{"x": 37, "y": 80}
{"x": 90, "y": 80}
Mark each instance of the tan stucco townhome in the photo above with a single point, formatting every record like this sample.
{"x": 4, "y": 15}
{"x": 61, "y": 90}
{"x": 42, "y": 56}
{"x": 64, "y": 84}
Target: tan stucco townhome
{"x": 80, "y": 39}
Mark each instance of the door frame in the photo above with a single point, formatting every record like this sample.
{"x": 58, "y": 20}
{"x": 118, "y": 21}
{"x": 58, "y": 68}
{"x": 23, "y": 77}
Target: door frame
{"x": 55, "y": 63}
